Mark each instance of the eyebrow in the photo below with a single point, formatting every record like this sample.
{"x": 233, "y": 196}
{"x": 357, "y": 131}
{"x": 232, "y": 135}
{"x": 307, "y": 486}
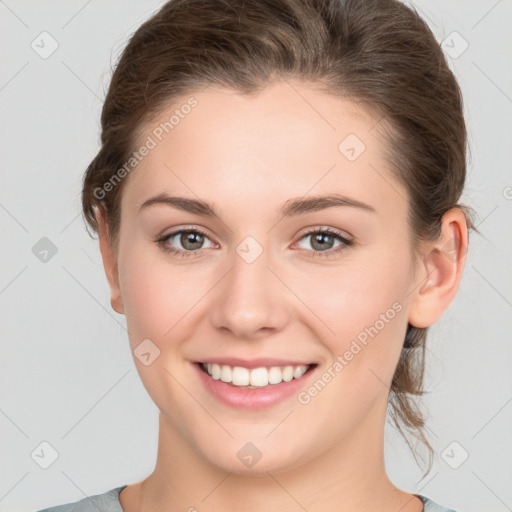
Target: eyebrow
{"x": 290, "y": 208}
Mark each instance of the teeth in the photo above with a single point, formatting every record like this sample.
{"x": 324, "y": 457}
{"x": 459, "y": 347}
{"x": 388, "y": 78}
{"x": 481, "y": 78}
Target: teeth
{"x": 214, "y": 371}
{"x": 226, "y": 375}
{"x": 257, "y": 377}
{"x": 275, "y": 375}
{"x": 299, "y": 372}
{"x": 241, "y": 376}
{"x": 288, "y": 373}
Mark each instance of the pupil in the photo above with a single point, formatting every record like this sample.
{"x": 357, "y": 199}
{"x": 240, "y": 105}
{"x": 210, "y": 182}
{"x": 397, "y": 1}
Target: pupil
{"x": 320, "y": 239}
{"x": 191, "y": 238}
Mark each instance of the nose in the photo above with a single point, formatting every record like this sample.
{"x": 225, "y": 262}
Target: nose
{"x": 251, "y": 302}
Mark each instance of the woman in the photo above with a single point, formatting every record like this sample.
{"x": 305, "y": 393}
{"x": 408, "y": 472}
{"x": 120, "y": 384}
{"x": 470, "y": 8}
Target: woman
{"x": 276, "y": 199}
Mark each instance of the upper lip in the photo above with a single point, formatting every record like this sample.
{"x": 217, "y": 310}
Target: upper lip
{"x": 254, "y": 363}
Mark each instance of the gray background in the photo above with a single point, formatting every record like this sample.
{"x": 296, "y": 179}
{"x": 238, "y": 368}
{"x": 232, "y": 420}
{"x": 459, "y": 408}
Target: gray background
{"x": 68, "y": 377}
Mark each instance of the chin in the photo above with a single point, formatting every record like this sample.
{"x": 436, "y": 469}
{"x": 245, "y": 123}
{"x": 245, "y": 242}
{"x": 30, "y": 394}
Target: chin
{"x": 254, "y": 458}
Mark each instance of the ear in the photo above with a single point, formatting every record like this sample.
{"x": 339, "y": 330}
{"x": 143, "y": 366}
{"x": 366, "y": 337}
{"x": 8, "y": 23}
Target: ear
{"x": 440, "y": 270}
{"x": 109, "y": 258}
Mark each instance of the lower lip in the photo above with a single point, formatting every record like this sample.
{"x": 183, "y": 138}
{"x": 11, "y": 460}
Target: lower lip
{"x": 252, "y": 399}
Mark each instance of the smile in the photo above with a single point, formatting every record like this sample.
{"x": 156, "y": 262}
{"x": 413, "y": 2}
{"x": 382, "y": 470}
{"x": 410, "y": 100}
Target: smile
{"x": 254, "y": 384}
{"x": 256, "y": 377}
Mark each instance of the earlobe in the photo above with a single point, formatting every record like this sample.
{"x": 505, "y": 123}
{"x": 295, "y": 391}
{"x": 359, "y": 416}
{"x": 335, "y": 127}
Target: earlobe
{"x": 440, "y": 272}
{"x": 109, "y": 262}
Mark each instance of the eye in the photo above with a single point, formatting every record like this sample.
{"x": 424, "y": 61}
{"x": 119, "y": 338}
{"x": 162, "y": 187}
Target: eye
{"x": 190, "y": 240}
{"x": 322, "y": 240}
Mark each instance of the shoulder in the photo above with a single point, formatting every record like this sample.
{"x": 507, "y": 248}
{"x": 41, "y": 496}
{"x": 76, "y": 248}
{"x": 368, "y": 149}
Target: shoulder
{"x": 106, "y": 502}
{"x": 430, "y": 506}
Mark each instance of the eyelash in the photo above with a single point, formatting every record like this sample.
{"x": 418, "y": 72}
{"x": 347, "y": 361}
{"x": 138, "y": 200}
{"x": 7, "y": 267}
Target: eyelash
{"x": 162, "y": 242}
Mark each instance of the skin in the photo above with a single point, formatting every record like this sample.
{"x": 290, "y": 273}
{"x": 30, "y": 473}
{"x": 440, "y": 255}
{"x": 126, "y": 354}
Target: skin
{"x": 247, "y": 156}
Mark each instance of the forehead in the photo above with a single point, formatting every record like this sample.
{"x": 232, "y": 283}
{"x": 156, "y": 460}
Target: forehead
{"x": 288, "y": 140}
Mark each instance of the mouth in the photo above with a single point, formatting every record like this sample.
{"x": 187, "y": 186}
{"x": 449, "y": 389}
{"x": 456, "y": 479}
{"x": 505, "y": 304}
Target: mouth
{"x": 254, "y": 378}
{"x": 254, "y": 385}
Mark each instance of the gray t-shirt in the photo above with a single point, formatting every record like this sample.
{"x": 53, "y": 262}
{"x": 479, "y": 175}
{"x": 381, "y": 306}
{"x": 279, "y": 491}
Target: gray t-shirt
{"x": 109, "y": 502}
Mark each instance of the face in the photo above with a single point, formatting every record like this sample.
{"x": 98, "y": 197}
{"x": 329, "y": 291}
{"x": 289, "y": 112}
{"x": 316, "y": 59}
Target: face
{"x": 266, "y": 276}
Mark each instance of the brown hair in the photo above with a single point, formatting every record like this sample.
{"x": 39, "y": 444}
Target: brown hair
{"x": 379, "y": 53}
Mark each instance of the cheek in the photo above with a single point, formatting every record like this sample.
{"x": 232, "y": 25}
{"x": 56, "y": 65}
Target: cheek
{"x": 362, "y": 311}
{"x": 366, "y": 309}
{"x": 148, "y": 296}
{"x": 349, "y": 298}
{"x": 158, "y": 296}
